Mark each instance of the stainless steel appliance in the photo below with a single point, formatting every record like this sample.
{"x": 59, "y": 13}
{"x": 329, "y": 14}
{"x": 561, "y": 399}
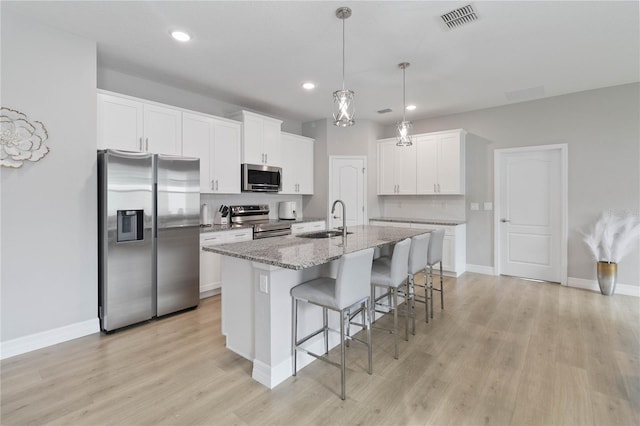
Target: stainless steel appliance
{"x": 257, "y": 216}
{"x": 287, "y": 210}
{"x": 148, "y": 236}
{"x": 261, "y": 178}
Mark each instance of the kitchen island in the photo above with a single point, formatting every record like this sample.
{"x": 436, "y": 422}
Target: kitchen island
{"x": 256, "y": 305}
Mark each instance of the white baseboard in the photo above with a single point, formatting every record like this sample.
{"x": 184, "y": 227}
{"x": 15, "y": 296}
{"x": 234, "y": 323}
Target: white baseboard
{"x": 43, "y": 339}
{"x": 480, "y": 269}
{"x": 624, "y": 289}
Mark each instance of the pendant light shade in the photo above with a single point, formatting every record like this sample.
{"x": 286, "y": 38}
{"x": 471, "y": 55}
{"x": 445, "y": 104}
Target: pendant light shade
{"x": 343, "y": 99}
{"x": 404, "y": 127}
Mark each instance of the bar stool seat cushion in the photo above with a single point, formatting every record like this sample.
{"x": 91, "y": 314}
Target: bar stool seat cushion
{"x": 381, "y": 272}
{"x": 320, "y": 290}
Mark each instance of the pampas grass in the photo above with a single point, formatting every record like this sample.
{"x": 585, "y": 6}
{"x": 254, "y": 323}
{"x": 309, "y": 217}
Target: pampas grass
{"x": 610, "y": 239}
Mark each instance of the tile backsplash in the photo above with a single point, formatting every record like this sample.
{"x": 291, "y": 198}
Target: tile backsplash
{"x": 214, "y": 201}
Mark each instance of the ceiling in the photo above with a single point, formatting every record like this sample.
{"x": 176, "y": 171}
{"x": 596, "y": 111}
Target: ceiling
{"x": 257, "y": 54}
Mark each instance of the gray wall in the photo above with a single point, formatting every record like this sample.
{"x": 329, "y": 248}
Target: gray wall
{"x": 601, "y": 128}
{"x": 48, "y": 221}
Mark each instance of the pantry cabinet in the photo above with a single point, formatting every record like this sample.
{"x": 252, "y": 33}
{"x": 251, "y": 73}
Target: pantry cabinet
{"x": 433, "y": 165}
{"x": 261, "y": 139}
{"x": 396, "y": 168}
{"x": 216, "y": 142}
{"x": 297, "y": 164}
{"x": 130, "y": 124}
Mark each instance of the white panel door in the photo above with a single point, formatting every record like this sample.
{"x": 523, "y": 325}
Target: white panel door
{"x": 530, "y": 214}
{"x": 197, "y": 134}
{"x": 252, "y": 141}
{"x": 427, "y": 164}
{"x": 386, "y": 168}
{"x": 305, "y": 166}
{"x": 347, "y": 184}
{"x": 119, "y": 123}
{"x": 271, "y": 135}
{"x": 405, "y": 169}
{"x": 449, "y": 165}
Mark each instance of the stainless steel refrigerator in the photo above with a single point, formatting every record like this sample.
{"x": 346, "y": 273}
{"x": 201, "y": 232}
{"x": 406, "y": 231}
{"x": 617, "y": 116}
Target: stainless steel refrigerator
{"x": 148, "y": 236}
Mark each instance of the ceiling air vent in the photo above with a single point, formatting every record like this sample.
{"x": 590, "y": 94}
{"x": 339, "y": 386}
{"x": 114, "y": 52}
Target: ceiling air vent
{"x": 384, "y": 111}
{"x": 460, "y": 16}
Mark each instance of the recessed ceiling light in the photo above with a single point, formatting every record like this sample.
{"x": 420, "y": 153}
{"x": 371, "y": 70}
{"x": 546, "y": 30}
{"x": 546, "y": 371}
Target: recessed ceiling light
{"x": 411, "y": 107}
{"x": 180, "y": 35}
{"x": 308, "y": 85}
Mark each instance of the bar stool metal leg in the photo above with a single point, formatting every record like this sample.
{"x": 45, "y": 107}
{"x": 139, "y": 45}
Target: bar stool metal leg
{"x": 368, "y": 309}
{"x": 294, "y": 331}
{"x": 343, "y": 352}
{"x": 431, "y": 288}
{"x": 325, "y": 324}
{"x": 441, "y": 289}
{"x": 395, "y": 322}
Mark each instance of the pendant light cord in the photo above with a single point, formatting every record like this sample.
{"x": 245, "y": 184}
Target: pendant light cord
{"x": 404, "y": 94}
{"x": 343, "y": 19}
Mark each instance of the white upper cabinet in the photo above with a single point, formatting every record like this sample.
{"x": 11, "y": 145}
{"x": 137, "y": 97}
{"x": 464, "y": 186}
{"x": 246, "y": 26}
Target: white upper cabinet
{"x": 132, "y": 125}
{"x": 434, "y": 164}
{"x": 441, "y": 162}
{"x": 297, "y": 164}
{"x": 217, "y": 143}
{"x": 261, "y": 140}
{"x": 396, "y": 168}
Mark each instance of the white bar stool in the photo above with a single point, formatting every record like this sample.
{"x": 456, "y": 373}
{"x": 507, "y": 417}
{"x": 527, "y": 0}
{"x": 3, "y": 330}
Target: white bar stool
{"x": 418, "y": 263}
{"x": 348, "y": 290}
{"x": 391, "y": 273}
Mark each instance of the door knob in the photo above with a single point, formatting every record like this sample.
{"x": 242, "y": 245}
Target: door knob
{"x": 504, "y": 220}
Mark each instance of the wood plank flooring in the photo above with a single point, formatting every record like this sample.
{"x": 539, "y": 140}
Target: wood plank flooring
{"x": 503, "y": 352}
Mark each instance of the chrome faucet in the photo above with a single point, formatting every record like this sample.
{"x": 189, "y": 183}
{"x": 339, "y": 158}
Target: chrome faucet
{"x": 344, "y": 216}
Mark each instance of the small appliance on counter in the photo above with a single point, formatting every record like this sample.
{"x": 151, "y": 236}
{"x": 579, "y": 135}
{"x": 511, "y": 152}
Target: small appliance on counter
{"x": 205, "y": 217}
{"x": 221, "y": 217}
{"x": 287, "y": 210}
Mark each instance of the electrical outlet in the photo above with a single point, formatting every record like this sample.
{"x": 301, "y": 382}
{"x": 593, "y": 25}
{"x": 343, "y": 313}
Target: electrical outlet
{"x": 488, "y": 206}
{"x": 475, "y": 206}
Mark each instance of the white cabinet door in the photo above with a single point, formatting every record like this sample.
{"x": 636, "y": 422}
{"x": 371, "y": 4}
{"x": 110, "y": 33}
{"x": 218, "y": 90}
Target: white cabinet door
{"x": 226, "y": 157}
{"x": 448, "y": 253}
{"x": 427, "y": 164}
{"x": 252, "y": 140}
{"x": 162, "y": 130}
{"x": 197, "y": 134}
{"x": 405, "y": 169}
{"x": 451, "y": 164}
{"x": 271, "y": 142}
{"x": 119, "y": 123}
{"x": 297, "y": 164}
{"x": 210, "y": 273}
{"x": 386, "y": 168}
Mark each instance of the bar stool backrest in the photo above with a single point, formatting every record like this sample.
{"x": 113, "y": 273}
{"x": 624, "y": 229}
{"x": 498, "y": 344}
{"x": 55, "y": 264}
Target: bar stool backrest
{"x": 435, "y": 247}
{"x": 400, "y": 262}
{"x": 353, "y": 282}
{"x": 418, "y": 253}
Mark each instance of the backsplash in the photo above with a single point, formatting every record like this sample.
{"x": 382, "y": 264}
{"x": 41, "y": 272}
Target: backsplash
{"x": 214, "y": 201}
{"x": 450, "y": 207}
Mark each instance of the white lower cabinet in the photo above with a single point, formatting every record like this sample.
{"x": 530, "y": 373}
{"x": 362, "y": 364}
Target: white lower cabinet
{"x": 300, "y": 228}
{"x": 210, "y": 272}
{"x": 454, "y": 246}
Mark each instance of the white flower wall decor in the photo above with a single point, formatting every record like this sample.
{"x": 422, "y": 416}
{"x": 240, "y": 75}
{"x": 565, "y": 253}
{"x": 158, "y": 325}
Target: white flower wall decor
{"x": 20, "y": 139}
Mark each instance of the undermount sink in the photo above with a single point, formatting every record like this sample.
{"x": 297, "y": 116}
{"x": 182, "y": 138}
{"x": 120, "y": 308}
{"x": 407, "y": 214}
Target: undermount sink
{"x": 324, "y": 234}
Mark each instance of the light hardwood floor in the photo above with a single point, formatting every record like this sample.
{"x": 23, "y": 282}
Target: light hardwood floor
{"x": 504, "y": 351}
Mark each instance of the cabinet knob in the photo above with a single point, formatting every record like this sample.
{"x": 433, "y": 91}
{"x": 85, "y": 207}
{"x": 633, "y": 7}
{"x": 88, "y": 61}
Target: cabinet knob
{"x": 503, "y": 220}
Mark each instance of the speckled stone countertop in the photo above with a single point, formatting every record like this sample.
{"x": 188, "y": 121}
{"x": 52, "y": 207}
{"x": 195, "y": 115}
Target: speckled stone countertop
{"x": 425, "y": 221}
{"x": 296, "y": 252}
{"x": 219, "y": 228}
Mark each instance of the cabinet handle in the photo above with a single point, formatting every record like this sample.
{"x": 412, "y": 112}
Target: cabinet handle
{"x": 140, "y": 143}
{"x": 212, "y": 185}
{"x": 434, "y": 188}
{"x": 216, "y": 184}
{"x": 263, "y": 158}
{"x": 438, "y": 187}
{"x": 266, "y": 158}
{"x": 239, "y": 235}
{"x": 146, "y": 144}
{"x": 211, "y": 239}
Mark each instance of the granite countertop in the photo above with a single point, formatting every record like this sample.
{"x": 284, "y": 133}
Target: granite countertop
{"x": 425, "y": 221}
{"x": 295, "y": 252}
{"x": 219, "y": 228}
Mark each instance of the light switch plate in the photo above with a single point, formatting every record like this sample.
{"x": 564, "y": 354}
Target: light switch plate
{"x": 488, "y": 206}
{"x": 264, "y": 284}
{"x": 475, "y": 206}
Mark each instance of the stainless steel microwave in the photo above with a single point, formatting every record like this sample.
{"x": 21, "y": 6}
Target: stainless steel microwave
{"x": 261, "y": 178}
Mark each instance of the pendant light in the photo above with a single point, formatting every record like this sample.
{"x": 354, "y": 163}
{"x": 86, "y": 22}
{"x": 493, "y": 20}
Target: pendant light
{"x": 404, "y": 127}
{"x": 343, "y": 99}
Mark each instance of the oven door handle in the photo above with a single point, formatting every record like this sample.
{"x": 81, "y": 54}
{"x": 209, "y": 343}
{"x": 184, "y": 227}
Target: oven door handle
{"x": 267, "y": 234}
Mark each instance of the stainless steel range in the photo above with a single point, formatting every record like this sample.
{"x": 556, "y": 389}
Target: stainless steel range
{"x": 258, "y": 216}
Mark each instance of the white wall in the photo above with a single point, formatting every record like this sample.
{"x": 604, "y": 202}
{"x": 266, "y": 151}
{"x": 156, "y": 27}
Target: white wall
{"x": 131, "y": 85}
{"x": 48, "y": 216}
{"x": 602, "y": 132}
